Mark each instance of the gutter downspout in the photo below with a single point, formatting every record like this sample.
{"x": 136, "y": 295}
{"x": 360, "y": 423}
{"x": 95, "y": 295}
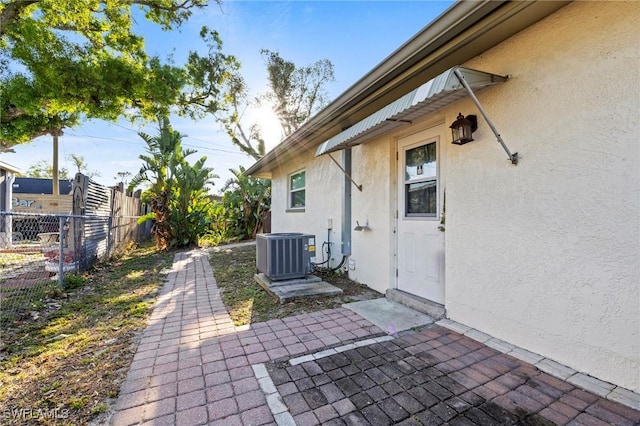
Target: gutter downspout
{"x": 346, "y": 202}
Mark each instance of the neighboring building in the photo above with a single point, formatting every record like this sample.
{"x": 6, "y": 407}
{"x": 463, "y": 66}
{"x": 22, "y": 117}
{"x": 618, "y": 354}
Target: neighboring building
{"x": 7, "y": 176}
{"x": 542, "y": 254}
{"x": 35, "y": 195}
{"x": 7, "y": 179}
{"x": 43, "y": 186}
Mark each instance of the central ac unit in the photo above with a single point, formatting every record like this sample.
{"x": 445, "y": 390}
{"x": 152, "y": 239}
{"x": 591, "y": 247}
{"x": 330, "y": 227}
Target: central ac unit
{"x": 283, "y": 256}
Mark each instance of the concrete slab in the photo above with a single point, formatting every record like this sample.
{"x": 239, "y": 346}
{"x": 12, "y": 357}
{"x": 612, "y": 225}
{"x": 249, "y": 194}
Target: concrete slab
{"x": 287, "y": 290}
{"x": 309, "y": 279}
{"x": 390, "y": 316}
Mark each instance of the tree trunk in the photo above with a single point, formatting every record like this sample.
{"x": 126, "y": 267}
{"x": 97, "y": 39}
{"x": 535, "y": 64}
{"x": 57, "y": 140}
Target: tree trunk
{"x": 55, "y": 177}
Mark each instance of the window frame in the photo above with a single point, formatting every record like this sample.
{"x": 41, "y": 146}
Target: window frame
{"x": 291, "y": 191}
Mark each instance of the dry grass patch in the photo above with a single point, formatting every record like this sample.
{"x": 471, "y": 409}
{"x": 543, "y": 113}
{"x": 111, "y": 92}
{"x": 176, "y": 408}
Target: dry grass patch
{"x": 66, "y": 366}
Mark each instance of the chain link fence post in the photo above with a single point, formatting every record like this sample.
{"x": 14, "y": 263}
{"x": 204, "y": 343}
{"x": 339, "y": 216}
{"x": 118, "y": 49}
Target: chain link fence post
{"x": 61, "y": 253}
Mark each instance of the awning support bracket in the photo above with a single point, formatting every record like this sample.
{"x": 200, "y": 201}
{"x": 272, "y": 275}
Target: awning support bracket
{"x": 345, "y": 173}
{"x": 512, "y": 157}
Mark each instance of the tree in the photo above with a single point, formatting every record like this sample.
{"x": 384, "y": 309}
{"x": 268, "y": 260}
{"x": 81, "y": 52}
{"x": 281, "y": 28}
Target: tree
{"x": 60, "y": 63}
{"x": 296, "y": 92}
{"x": 82, "y": 60}
{"x": 250, "y": 141}
{"x": 123, "y": 177}
{"x": 43, "y": 169}
{"x": 189, "y": 202}
{"x": 217, "y": 88}
{"x": 176, "y": 192}
{"x": 214, "y": 86}
{"x": 245, "y": 200}
{"x": 82, "y": 167}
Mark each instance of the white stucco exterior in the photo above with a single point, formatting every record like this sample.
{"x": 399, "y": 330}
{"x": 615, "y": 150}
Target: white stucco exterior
{"x": 545, "y": 254}
{"x": 323, "y": 202}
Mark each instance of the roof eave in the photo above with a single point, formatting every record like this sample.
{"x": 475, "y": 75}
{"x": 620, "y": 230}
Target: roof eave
{"x": 462, "y": 32}
{"x": 9, "y": 167}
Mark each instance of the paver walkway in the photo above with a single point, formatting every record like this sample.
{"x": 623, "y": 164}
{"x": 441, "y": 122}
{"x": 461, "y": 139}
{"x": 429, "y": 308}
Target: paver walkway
{"x": 330, "y": 367}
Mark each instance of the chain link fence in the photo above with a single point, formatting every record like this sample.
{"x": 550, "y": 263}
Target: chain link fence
{"x": 37, "y": 252}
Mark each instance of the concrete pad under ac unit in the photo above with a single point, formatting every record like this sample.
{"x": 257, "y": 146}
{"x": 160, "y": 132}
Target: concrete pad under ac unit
{"x": 287, "y": 290}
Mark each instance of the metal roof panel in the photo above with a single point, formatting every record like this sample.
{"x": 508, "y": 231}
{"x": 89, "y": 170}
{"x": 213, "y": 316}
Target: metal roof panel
{"x": 435, "y": 94}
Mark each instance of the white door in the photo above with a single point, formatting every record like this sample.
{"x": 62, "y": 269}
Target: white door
{"x": 420, "y": 245}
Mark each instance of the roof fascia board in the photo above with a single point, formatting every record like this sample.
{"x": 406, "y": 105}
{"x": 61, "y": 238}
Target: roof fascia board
{"x": 9, "y": 167}
{"x": 462, "y": 32}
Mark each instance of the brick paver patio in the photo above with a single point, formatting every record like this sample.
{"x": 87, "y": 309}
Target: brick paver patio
{"x": 194, "y": 367}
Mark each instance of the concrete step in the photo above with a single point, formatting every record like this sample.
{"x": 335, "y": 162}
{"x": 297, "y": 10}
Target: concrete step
{"x": 434, "y": 310}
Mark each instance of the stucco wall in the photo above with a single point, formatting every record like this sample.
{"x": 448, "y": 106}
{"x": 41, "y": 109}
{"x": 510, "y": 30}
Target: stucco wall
{"x": 545, "y": 254}
{"x": 323, "y": 201}
{"x": 373, "y": 250}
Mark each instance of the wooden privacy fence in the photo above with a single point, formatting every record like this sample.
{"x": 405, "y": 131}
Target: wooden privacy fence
{"x": 123, "y": 210}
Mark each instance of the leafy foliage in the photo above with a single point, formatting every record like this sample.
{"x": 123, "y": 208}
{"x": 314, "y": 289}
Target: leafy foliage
{"x": 248, "y": 139}
{"x": 43, "y": 169}
{"x": 216, "y": 87}
{"x": 246, "y": 199}
{"x": 239, "y": 214}
{"x": 82, "y": 166}
{"x": 177, "y": 189}
{"x": 62, "y": 61}
{"x": 296, "y": 92}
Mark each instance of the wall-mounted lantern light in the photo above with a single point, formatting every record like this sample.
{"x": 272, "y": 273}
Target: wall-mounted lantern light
{"x": 462, "y": 129}
{"x": 456, "y": 137}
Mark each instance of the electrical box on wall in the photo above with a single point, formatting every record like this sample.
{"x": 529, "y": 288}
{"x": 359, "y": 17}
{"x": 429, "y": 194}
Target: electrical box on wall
{"x": 352, "y": 264}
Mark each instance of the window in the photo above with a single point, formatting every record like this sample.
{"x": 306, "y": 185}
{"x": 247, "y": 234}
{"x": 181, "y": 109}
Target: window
{"x": 421, "y": 192}
{"x": 297, "y": 190}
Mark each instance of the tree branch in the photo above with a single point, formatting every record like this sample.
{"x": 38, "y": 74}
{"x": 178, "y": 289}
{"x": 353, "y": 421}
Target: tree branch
{"x": 11, "y": 12}
{"x": 12, "y": 113}
{"x": 185, "y": 5}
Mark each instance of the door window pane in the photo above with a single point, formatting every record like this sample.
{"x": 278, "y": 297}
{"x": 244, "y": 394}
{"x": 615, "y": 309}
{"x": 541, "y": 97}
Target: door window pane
{"x": 420, "y": 162}
{"x": 421, "y": 198}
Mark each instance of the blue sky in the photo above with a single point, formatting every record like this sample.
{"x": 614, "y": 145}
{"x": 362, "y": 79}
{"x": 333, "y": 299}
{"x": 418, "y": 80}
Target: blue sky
{"x": 354, "y": 35}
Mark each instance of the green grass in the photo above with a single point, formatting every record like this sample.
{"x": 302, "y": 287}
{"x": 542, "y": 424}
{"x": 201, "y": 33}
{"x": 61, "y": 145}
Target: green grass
{"x": 75, "y": 358}
{"x": 248, "y": 303}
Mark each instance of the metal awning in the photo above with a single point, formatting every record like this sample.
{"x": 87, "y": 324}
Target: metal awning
{"x": 437, "y": 93}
